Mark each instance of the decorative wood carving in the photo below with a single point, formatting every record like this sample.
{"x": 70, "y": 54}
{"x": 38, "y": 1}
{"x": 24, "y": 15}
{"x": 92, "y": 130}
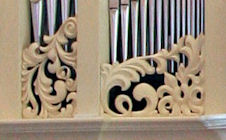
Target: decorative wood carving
{"x": 157, "y": 102}
{"x": 49, "y": 75}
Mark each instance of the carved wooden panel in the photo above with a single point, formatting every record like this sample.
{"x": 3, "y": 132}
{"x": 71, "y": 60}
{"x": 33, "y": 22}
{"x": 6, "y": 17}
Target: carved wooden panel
{"x": 181, "y": 94}
{"x": 49, "y": 75}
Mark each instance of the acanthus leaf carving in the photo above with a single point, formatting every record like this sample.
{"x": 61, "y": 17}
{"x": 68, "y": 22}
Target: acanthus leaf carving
{"x": 49, "y": 85}
{"x": 122, "y": 75}
{"x": 171, "y": 98}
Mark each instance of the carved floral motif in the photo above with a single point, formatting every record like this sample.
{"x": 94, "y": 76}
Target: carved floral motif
{"x": 184, "y": 99}
{"x": 48, "y": 75}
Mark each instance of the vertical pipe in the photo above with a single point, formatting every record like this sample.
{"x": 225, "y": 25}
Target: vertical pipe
{"x": 152, "y": 25}
{"x": 36, "y": 10}
{"x": 197, "y": 17}
{"x": 114, "y": 17}
{"x": 193, "y": 18}
{"x": 166, "y": 21}
{"x": 183, "y": 24}
{"x": 202, "y": 16}
{"x": 183, "y": 17}
{"x": 125, "y": 27}
{"x": 65, "y": 11}
{"x": 134, "y": 17}
{"x": 143, "y": 10}
{"x": 159, "y": 24}
{"x": 76, "y": 7}
{"x": 172, "y": 28}
{"x": 51, "y": 9}
{"x": 188, "y": 17}
{"x": 178, "y": 19}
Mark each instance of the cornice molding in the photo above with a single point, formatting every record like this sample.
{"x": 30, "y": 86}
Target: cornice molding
{"x": 114, "y": 125}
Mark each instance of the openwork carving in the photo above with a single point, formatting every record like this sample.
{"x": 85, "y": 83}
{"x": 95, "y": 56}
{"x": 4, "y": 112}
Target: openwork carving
{"x": 49, "y": 75}
{"x": 181, "y": 94}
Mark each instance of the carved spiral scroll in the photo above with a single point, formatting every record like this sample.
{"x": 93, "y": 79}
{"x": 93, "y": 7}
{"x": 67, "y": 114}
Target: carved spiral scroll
{"x": 48, "y": 75}
{"x": 157, "y": 102}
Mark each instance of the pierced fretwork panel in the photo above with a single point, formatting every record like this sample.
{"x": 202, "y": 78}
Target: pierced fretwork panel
{"x": 136, "y": 88}
{"x": 157, "y": 64}
{"x": 49, "y": 64}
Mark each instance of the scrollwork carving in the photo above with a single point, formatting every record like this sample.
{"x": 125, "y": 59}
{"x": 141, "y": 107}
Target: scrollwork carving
{"x": 171, "y": 98}
{"x": 49, "y": 75}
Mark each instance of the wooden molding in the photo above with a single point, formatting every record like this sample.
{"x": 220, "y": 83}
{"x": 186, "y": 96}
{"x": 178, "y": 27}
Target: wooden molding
{"x": 85, "y": 127}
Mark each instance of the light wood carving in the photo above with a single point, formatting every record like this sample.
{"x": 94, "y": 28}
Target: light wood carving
{"x": 43, "y": 96}
{"x": 158, "y": 104}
